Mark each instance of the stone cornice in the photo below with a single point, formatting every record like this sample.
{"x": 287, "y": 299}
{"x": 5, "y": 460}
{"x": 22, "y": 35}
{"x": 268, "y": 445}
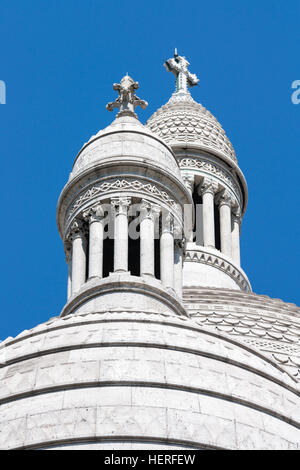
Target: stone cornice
{"x": 140, "y": 181}
{"x": 123, "y": 282}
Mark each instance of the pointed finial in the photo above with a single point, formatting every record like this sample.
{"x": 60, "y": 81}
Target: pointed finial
{"x": 127, "y": 101}
{"x": 179, "y": 67}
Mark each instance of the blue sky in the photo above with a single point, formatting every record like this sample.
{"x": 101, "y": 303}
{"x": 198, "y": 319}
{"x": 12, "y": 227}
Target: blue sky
{"x": 59, "y": 60}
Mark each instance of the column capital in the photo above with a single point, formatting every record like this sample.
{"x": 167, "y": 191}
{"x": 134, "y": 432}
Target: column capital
{"x": 121, "y": 204}
{"x": 180, "y": 244}
{"x": 167, "y": 223}
{"x": 208, "y": 185}
{"x": 77, "y": 229}
{"x": 225, "y": 199}
{"x": 68, "y": 250}
{"x": 189, "y": 181}
{"x": 237, "y": 216}
{"x": 149, "y": 210}
{"x": 94, "y": 214}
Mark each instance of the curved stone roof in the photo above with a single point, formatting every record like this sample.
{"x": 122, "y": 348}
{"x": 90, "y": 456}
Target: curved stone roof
{"x": 184, "y": 121}
{"x": 143, "y": 376}
{"x": 125, "y": 137}
{"x": 268, "y": 325}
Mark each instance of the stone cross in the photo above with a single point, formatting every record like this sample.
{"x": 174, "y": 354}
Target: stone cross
{"x": 127, "y": 101}
{"x": 179, "y": 67}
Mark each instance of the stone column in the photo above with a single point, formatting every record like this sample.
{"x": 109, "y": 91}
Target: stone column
{"x": 236, "y": 220}
{"x": 189, "y": 181}
{"x": 225, "y": 222}
{"x": 178, "y": 266}
{"x": 78, "y": 236}
{"x": 167, "y": 251}
{"x": 68, "y": 253}
{"x": 121, "y": 205}
{"x": 148, "y": 213}
{"x": 95, "y": 218}
{"x": 208, "y": 190}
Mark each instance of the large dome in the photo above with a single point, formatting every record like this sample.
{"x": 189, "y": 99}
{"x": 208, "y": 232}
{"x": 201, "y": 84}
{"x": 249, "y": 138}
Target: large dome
{"x": 141, "y": 380}
{"x": 183, "y": 121}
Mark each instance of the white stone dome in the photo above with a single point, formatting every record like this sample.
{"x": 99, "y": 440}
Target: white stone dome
{"x": 125, "y": 139}
{"x": 184, "y": 121}
{"x": 139, "y": 379}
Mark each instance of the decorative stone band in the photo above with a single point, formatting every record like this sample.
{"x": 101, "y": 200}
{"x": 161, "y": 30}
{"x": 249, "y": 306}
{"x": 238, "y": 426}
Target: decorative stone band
{"x": 122, "y": 185}
{"x": 214, "y": 170}
{"x": 199, "y": 256}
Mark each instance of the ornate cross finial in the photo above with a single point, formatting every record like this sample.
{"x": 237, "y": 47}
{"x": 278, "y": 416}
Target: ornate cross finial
{"x": 127, "y": 101}
{"x": 179, "y": 67}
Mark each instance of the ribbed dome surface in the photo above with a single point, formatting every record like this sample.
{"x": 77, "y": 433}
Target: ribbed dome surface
{"x": 182, "y": 120}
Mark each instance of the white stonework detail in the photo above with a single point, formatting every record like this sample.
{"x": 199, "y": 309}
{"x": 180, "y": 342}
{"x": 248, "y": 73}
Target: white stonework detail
{"x": 127, "y": 101}
{"x": 211, "y": 168}
{"x": 268, "y": 325}
{"x": 178, "y": 376}
{"x": 190, "y": 122}
{"x": 122, "y": 185}
{"x": 180, "y": 355}
{"x": 209, "y": 259}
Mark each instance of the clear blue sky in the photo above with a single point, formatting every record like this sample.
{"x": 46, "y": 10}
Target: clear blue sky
{"x": 59, "y": 60}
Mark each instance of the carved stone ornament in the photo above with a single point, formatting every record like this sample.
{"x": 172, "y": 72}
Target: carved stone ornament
{"x": 94, "y": 214}
{"x": 208, "y": 186}
{"x": 149, "y": 210}
{"x": 236, "y": 216}
{"x": 189, "y": 181}
{"x": 196, "y": 163}
{"x": 179, "y": 67}
{"x": 121, "y": 205}
{"x": 77, "y": 229}
{"x": 167, "y": 223}
{"x": 68, "y": 250}
{"x": 192, "y": 123}
{"x": 127, "y": 101}
{"x": 225, "y": 199}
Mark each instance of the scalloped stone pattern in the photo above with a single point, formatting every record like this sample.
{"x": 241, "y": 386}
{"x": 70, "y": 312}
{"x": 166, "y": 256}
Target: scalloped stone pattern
{"x": 189, "y": 122}
{"x": 270, "y": 326}
{"x": 135, "y": 380}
